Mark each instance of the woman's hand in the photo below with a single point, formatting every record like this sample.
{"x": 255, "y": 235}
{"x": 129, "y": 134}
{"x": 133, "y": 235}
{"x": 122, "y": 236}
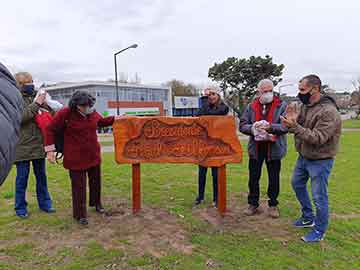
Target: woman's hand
{"x": 50, "y": 156}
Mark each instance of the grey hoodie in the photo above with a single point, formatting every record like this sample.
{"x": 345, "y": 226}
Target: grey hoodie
{"x": 318, "y": 129}
{"x": 11, "y": 106}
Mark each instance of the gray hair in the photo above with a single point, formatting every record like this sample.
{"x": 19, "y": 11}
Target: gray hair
{"x": 264, "y": 82}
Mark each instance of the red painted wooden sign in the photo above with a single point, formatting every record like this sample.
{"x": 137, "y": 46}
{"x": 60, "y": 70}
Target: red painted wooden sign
{"x": 210, "y": 141}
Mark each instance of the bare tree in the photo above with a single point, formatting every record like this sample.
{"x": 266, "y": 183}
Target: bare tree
{"x": 355, "y": 96}
{"x": 355, "y": 102}
{"x": 356, "y": 84}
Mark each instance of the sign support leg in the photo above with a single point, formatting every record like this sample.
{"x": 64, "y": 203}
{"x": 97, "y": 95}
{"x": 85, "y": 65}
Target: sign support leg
{"x": 136, "y": 188}
{"x": 222, "y": 190}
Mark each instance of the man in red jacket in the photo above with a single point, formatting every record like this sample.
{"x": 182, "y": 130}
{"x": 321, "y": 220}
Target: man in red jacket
{"x": 81, "y": 150}
{"x": 267, "y": 143}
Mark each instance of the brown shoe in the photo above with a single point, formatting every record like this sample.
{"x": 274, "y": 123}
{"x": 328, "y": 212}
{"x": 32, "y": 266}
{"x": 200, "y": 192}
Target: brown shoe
{"x": 273, "y": 212}
{"x": 251, "y": 210}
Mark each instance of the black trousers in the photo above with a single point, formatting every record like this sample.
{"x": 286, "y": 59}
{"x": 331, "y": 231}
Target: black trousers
{"x": 202, "y": 182}
{"x": 78, "y": 184}
{"x": 273, "y": 168}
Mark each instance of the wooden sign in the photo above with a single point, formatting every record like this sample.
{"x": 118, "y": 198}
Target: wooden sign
{"x": 210, "y": 141}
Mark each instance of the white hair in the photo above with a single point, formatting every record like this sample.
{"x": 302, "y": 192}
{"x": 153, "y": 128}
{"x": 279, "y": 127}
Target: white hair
{"x": 265, "y": 82}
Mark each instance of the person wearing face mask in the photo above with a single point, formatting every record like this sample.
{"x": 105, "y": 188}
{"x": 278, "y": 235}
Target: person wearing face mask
{"x": 211, "y": 104}
{"x": 30, "y": 148}
{"x": 317, "y": 131}
{"x": 267, "y": 142}
{"x": 79, "y": 123}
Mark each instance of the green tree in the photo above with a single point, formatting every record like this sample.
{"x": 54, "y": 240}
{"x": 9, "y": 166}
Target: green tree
{"x": 238, "y": 77}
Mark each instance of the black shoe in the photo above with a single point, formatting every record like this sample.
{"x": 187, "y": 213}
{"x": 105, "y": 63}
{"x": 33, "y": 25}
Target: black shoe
{"x": 198, "y": 201}
{"x": 83, "y": 221}
{"x": 100, "y": 209}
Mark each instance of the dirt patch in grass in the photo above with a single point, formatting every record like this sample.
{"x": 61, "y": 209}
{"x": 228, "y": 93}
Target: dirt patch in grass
{"x": 152, "y": 232}
{"x": 236, "y": 221}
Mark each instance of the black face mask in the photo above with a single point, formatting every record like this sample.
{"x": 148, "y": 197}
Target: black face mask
{"x": 305, "y": 98}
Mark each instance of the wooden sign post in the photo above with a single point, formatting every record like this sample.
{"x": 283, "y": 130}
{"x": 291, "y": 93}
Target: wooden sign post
{"x": 209, "y": 141}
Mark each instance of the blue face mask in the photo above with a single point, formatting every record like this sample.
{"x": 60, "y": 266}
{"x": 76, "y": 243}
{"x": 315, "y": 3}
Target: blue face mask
{"x": 28, "y": 89}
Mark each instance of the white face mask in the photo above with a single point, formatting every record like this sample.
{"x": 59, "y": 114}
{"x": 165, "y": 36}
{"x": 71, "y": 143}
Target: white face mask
{"x": 266, "y": 98}
{"x": 89, "y": 110}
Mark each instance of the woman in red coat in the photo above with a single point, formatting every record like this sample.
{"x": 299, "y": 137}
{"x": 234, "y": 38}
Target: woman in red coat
{"x": 81, "y": 150}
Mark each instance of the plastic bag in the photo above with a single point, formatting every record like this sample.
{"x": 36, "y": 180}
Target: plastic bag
{"x": 53, "y": 104}
{"x": 260, "y": 133}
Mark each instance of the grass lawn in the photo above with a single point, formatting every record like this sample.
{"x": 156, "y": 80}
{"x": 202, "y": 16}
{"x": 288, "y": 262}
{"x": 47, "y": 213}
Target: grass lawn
{"x": 353, "y": 123}
{"x": 170, "y": 234}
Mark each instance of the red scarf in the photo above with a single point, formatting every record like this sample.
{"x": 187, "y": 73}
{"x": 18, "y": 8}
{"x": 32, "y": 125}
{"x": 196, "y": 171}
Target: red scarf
{"x": 257, "y": 107}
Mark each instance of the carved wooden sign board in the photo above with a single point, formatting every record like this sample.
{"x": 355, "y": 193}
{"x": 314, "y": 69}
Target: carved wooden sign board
{"x": 210, "y": 141}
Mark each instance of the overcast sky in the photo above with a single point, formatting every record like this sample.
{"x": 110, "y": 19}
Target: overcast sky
{"x": 75, "y": 40}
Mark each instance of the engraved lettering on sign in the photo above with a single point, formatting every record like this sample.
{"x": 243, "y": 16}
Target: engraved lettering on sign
{"x": 159, "y": 140}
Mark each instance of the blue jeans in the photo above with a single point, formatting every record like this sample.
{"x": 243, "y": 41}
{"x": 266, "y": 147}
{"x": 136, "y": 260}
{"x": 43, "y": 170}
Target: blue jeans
{"x": 22, "y": 176}
{"x": 318, "y": 171}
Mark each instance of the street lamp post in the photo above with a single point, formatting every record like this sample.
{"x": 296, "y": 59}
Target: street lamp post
{"x": 116, "y": 75}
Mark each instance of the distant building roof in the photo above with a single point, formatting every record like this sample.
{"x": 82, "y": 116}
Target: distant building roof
{"x": 66, "y": 85}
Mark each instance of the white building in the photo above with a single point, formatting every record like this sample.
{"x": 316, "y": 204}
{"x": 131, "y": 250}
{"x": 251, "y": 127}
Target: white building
{"x": 135, "y": 99}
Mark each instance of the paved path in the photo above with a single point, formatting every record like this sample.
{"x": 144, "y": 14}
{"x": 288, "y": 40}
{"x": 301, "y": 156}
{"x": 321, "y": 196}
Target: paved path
{"x": 107, "y": 149}
{"x": 351, "y": 129}
{"x": 105, "y": 139}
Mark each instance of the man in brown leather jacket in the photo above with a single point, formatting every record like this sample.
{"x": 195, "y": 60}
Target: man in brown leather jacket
{"x": 317, "y": 130}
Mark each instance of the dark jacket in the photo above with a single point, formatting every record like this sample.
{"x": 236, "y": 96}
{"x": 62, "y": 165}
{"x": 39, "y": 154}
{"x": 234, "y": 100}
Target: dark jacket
{"x": 278, "y": 148}
{"x": 81, "y": 146}
{"x": 318, "y": 129}
{"x": 209, "y": 109}
{"x": 31, "y": 145}
{"x": 11, "y": 106}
